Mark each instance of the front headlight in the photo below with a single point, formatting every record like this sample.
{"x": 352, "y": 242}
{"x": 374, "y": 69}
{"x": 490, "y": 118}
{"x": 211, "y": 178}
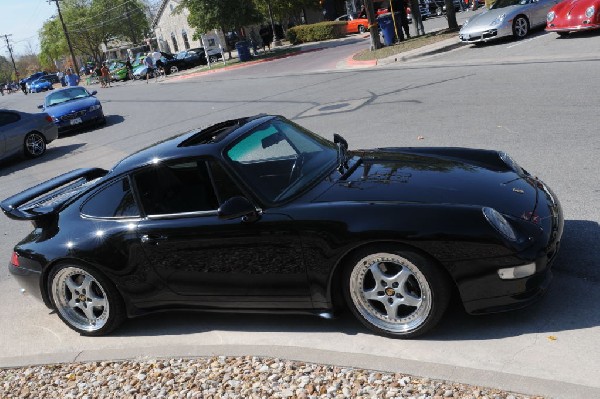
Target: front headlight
{"x": 589, "y": 12}
{"x": 499, "y": 223}
{"x": 95, "y": 107}
{"x": 550, "y": 17}
{"x": 498, "y": 20}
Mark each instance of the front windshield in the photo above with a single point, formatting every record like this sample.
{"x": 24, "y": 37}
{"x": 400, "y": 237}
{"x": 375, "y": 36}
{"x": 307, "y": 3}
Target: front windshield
{"x": 507, "y": 3}
{"x": 63, "y": 96}
{"x": 279, "y": 159}
{"x": 181, "y": 55}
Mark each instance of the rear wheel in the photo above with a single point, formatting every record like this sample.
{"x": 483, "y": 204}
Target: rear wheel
{"x": 396, "y": 293}
{"x": 173, "y": 69}
{"x": 520, "y": 27}
{"x": 35, "y": 145}
{"x": 213, "y": 59}
{"x": 85, "y": 300}
{"x": 361, "y": 29}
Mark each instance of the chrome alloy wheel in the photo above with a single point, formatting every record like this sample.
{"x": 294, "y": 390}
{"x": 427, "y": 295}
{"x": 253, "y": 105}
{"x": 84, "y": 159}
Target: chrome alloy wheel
{"x": 35, "y": 145}
{"x": 80, "y": 299}
{"x": 520, "y": 27}
{"x": 390, "y": 292}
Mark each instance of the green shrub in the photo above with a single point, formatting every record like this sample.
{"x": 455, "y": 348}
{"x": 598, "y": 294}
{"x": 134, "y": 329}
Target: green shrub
{"x": 316, "y": 32}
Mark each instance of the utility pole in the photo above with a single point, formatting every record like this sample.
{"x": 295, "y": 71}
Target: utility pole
{"x": 11, "y": 56}
{"x": 66, "y": 35}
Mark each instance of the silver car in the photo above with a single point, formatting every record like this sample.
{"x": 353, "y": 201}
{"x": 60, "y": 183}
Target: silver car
{"x": 506, "y": 18}
{"x": 25, "y": 133}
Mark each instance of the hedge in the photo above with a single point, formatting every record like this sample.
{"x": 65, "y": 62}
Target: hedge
{"x": 316, "y": 32}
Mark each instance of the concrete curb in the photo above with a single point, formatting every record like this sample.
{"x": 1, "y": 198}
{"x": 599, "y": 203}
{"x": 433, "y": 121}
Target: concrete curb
{"x": 483, "y": 378}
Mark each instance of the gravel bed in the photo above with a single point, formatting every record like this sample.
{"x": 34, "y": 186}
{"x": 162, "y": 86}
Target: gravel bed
{"x": 226, "y": 378}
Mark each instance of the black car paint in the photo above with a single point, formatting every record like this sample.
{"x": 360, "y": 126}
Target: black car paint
{"x": 290, "y": 258}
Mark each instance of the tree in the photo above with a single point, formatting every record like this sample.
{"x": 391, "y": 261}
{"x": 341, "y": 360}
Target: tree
{"x": 227, "y": 15}
{"x": 284, "y": 9}
{"x": 91, "y": 23}
{"x": 6, "y": 70}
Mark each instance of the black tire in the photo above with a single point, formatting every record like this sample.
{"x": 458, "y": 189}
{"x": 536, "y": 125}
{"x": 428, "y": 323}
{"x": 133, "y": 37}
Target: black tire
{"x": 74, "y": 287}
{"x": 418, "y": 297}
{"x": 361, "y": 29}
{"x": 520, "y": 27}
{"x": 563, "y": 34}
{"x": 34, "y": 145}
{"x": 213, "y": 59}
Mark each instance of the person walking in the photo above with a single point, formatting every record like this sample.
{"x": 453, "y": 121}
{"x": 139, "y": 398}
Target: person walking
{"x": 129, "y": 69}
{"x": 71, "y": 79}
{"x": 105, "y": 75}
{"x": 149, "y": 63}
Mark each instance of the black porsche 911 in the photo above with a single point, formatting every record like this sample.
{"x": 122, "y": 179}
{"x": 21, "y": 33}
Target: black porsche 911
{"x": 259, "y": 214}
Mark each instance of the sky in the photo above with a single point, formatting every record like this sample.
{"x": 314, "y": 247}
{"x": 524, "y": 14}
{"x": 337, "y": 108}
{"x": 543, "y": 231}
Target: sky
{"x": 23, "y": 19}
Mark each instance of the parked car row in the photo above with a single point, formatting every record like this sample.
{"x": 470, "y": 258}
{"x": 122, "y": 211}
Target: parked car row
{"x": 516, "y": 18}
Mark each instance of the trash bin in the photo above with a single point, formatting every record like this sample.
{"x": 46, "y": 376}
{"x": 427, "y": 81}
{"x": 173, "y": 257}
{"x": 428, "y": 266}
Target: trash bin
{"x": 386, "y": 23}
{"x": 243, "y": 50}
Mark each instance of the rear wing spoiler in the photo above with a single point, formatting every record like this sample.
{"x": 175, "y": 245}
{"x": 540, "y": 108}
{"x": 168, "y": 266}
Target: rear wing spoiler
{"x": 13, "y": 206}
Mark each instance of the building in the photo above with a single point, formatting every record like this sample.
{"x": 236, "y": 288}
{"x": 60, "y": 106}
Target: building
{"x": 172, "y": 31}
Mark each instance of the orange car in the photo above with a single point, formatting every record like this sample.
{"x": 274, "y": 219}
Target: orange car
{"x": 354, "y": 24}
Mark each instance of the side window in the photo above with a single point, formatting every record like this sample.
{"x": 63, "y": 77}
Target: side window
{"x": 114, "y": 200}
{"x": 8, "y": 117}
{"x": 174, "y": 188}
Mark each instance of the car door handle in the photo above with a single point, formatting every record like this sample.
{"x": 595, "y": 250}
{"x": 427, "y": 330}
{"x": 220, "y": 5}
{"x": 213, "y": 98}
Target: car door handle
{"x": 153, "y": 238}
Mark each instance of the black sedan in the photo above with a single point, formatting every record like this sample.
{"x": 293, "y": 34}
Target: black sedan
{"x": 259, "y": 214}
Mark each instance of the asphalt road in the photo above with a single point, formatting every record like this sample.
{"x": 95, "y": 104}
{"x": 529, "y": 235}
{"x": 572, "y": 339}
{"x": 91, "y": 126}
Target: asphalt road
{"x": 537, "y": 100}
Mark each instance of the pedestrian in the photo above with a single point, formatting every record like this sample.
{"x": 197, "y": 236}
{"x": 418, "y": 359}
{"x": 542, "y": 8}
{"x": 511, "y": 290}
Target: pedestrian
{"x": 149, "y": 63}
{"x": 72, "y": 79}
{"x": 399, "y": 8}
{"x": 24, "y": 86}
{"x": 129, "y": 68}
{"x": 158, "y": 64}
{"x": 105, "y": 75}
{"x": 266, "y": 34}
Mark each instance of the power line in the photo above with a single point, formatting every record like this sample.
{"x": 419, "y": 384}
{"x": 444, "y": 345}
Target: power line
{"x": 98, "y": 15}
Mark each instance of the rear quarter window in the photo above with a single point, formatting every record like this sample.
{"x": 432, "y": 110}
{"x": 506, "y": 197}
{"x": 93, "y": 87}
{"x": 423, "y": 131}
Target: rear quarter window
{"x": 114, "y": 200}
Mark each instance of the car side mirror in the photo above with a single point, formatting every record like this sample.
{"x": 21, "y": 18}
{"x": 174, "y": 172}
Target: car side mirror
{"x": 94, "y": 92}
{"x": 40, "y": 107}
{"x": 237, "y": 207}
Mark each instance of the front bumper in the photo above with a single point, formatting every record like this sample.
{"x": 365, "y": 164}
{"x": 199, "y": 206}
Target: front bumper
{"x": 480, "y": 35}
{"x": 82, "y": 120}
{"x": 571, "y": 28}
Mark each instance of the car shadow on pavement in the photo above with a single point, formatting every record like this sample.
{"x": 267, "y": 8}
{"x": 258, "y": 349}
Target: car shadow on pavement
{"x": 569, "y": 304}
{"x": 19, "y": 163}
{"x": 510, "y": 40}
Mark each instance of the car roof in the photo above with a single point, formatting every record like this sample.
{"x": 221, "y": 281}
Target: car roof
{"x": 201, "y": 142}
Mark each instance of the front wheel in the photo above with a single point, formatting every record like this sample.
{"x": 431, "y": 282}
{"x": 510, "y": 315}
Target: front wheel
{"x": 520, "y": 27}
{"x": 396, "y": 293}
{"x": 85, "y": 300}
{"x": 35, "y": 145}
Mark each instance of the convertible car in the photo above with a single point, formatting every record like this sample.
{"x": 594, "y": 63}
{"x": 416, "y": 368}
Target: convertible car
{"x": 506, "y": 18}
{"x": 259, "y": 214}
{"x": 574, "y": 15}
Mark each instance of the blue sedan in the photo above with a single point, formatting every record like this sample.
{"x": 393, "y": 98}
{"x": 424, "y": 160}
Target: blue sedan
{"x": 41, "y": 84}
{"x": 73, "y": 108}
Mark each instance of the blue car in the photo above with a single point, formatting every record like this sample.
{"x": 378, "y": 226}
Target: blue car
{"x": 73, "y": 108}
{"x": 41, "y": 84}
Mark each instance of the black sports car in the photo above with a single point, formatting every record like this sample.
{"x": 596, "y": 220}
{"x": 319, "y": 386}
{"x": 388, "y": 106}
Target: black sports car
{"x": 260, "y": 214}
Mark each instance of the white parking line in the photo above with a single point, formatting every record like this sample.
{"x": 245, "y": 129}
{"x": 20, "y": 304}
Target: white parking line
{"x": 524, "y": 41}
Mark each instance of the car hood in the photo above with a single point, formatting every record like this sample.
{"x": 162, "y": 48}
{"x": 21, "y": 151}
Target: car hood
{"x": 70, "y": 106}
{"x": 566, "y": 7}
{"x": 435, "y": 176}
{"x": 486, "y": 17}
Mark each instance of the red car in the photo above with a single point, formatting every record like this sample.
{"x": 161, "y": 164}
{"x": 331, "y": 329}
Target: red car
{"x": 573, "y": 15}
{"x": 354, "y": 24}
